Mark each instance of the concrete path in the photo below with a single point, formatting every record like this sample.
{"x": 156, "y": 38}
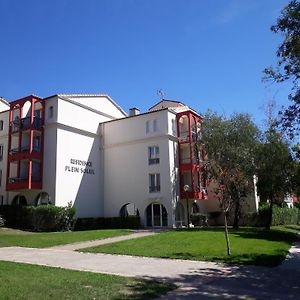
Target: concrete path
{"x": 87, "y": 244}
{"x": 197, "y": 280}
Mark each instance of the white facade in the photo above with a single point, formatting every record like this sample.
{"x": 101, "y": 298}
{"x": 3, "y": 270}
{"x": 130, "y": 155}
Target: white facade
{"x": 126, "y": 163}
{"x": 105, "y": 162}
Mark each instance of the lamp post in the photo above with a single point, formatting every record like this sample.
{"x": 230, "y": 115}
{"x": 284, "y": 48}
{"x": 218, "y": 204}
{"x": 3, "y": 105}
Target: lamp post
{"x": 186, "y": 189}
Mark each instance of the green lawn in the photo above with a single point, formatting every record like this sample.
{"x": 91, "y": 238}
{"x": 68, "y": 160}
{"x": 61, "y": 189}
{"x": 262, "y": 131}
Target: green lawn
{"x": 12, "y": 237}
{"x": 22, "y": 281}
{"x": 248, "y": 245}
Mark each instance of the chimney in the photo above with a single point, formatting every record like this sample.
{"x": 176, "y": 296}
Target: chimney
{"x": 133, "y": 111}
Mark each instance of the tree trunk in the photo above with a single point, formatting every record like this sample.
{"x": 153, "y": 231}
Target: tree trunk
{"x": 188, "y": 212}
{"x": 237, "y": 212}
{"x": 270, "y": 217}
{"x": 226, "y": 234}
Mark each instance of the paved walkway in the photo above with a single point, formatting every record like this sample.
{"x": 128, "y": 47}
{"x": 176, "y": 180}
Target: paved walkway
{"x": 197, "y": 280}
{"x": 87, "y": 244}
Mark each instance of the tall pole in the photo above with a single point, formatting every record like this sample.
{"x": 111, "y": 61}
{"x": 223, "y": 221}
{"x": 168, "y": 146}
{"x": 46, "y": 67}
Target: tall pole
{"x": 188, "y": 209}
{"x": 186, "y": 188}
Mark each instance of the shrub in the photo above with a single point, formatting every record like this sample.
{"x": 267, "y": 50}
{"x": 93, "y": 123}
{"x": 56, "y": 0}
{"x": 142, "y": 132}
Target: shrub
{"x": 285, "y": 216}
{"x": 281, "y": 216}
{"x": 15, "y": 216}
{"x": 39, "y": 218}
{"x": 199, "y": 219}
{"x": 2, "y": 221}
{"x": 130, "y": 222}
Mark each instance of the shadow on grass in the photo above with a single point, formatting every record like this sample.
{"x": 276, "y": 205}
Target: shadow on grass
{"x": 237, "y": 282}
{"x": 275, "y": 235}
{"x": 267, "y": 260}
{"x": 148, "y": 289}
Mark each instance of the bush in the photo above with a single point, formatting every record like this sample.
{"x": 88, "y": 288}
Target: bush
{"x": 2, "y": 221}
{"x": 214, "y": 218}
{"x": 15, "y": 216}
{"x": 130, "y": 222}
{"x": 39, "y": 218}
{"x": 199, "y": 219}
{"x": 285, "y": 216}
{"x": 281, "y": 216}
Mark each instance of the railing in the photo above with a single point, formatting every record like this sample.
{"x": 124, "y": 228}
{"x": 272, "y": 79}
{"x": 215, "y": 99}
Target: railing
{"x": 17, "y": 179}
{"x": 37, "y": 123}
{"x": 153, "y": 161}
{"x": 14, "y": 151}
{"x": 23, "y": 179}
{"x": 185, "y": 135}
{"x": 25, "y": 124}
{"x": 153, "y": 189}
{"x": 24, "y": 149}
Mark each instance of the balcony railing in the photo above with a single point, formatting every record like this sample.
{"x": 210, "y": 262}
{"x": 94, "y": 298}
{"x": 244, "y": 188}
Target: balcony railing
{"x": 154, "y": 189}
{"x": 153, "y": 161}
{"x": 24, "y": 149}
{"x": 185, "y": 136}
{"x": 23, "y": 179}
{"x": 37, "y": 123}
{"x": 25, "y": 124}
{"x": 17, "y": 179}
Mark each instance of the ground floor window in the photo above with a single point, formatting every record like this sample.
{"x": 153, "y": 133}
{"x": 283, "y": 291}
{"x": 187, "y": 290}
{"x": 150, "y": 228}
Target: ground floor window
{"x": 156, "y": 215}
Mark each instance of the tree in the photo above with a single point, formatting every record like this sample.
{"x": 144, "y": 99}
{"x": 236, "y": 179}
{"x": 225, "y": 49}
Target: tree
{"x": 288, "y": 65}
{"x": 296, "y": 175}
{"x": 275, "y": 169}
{"x": 229, "y": 145}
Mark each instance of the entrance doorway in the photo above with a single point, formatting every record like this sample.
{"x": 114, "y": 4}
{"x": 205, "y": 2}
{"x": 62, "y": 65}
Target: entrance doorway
{"x": 156, "y": 215}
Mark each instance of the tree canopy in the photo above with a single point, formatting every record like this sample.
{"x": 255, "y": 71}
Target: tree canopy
{"x": 275, "y": 170}
{"x": 288, "y": 65}
{"x": 230, "y": 146}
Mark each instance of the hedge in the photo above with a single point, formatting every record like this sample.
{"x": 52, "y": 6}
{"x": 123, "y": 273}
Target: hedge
{"x": 281, "y": 216}
{"x": 129, "y": 222}
{"x": 285, "y": 216}
{"x": 39, "y": 218}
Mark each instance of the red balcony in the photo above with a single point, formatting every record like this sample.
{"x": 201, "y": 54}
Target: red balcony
{"x": 190, "y": 157}
{"x": 15, "y": 183}
{"x": 25, "y": 144}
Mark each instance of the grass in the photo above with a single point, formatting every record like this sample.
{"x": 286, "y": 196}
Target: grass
{"x": 13, "y": 237}
{"x": 22, "y": 281}
{"x": 248, "y": 245}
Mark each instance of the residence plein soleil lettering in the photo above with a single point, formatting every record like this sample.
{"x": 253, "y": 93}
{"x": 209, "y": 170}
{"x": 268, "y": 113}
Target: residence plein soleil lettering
{"x": 80, "y": 166}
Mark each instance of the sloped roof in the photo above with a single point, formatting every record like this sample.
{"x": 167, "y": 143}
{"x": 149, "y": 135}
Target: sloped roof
{"x": 91, "y": 95}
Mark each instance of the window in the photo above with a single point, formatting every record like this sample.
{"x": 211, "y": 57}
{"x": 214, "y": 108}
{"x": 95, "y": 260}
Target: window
{"x": 1, "y": 125}
{"x": 153, "y": 155}
{"x": 1, "y": 152}
{"x": 50, "y": 112}
{"x": 155, "y": 125}
{"x": 154, "y": 183}
{"x": 151, "y": 126}
{"x": 147, "y": 126}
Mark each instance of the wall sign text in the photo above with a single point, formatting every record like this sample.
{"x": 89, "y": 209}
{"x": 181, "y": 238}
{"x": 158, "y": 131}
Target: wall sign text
{"x": 80, "y": 166}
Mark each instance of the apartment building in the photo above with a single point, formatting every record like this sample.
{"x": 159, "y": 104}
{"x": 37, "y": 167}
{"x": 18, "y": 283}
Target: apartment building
{"x": 87, "y": 150}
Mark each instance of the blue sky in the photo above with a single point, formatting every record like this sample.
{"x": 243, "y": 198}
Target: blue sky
{"x": 207, "y": 54}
